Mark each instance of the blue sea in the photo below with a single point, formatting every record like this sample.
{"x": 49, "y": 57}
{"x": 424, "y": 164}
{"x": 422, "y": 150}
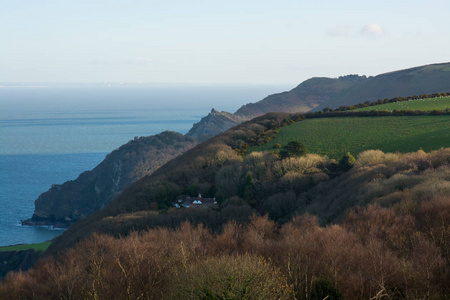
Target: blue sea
{"x": 50, "y": 134}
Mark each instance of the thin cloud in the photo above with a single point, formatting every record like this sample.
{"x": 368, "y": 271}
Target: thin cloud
{"x": 340, "y": 30}
{"x": 372, "y": 30}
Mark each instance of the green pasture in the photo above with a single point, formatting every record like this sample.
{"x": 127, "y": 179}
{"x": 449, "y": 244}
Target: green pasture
{"x": 37, "y": 247}
{"x": 440, "y": 103}
{"x": 336, "y": 136}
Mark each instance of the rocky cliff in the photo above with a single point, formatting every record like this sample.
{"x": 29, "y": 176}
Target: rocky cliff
{"x": 64, "y": 204}
{"x": 214, "y": 123}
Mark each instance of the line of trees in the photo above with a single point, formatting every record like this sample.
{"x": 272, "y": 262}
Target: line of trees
{"x": 262, "y": 131}
{"x": 385, "y": 101}
{"x": 374, "y": 113}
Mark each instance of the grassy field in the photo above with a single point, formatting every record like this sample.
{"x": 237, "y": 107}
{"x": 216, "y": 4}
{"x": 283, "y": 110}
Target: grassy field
{"x": 336, "y": 136}
{"x": 38, "y": 246}
{"x": 422, "y": 104}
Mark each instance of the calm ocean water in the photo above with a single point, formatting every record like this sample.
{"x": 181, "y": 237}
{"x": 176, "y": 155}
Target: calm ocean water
{"x": 51, "y": 135}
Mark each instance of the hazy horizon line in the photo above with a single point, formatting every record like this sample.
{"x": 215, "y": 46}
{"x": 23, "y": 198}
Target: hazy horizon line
{"x": 45, "y": 84}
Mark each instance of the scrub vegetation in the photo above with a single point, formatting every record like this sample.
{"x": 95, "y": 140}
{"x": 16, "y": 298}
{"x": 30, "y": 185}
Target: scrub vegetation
{"x": 292, "y": 223}
{"x": 380, "y": 228}
{"x": 396, "y": 252}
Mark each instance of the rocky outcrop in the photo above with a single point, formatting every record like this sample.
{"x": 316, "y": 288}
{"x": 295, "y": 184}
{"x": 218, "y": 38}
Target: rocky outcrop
{"x": 64, "y": 204}
{"x": 214, "y": 123}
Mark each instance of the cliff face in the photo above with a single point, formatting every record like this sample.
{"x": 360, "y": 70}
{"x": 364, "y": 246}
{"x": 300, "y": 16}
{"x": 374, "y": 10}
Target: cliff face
{"x": 214, "y": 123}
{"x": 66, "y": 203}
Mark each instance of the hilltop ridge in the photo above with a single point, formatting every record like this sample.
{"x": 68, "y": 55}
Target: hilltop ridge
{"x": 318, "y": 93}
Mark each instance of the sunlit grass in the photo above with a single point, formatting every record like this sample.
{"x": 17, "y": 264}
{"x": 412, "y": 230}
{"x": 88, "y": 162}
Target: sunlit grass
{"x": 422, "y": 104}
{"x": 38, "y": 247}
{"x": 336, "y": 136}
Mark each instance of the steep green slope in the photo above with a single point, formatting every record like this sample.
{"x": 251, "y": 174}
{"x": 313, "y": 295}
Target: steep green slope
{"x": 336, "y": 136}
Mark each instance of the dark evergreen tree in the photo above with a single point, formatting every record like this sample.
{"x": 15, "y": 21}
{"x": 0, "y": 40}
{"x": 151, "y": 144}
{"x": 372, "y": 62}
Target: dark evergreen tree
{"x": 293, "y": 149}
{"x": 324, "y": 289}
{"x": 347, "y": 161}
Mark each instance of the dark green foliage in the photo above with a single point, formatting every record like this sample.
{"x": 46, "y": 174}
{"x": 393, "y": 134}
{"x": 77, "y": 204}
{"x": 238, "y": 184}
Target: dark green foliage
{"x": 192, "y": 190}
{"x": 247, "y": 189}
{"x": 347, "y": 162}
{"x": 293, "y": 149}
{"x": 281, "y": 206}
{"x": 324, "y": 289}
{"x": 261, "y": 131}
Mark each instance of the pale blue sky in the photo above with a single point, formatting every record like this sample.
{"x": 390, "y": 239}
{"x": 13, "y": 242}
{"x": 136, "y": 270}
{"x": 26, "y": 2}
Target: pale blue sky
{"x": 229, "y": 41}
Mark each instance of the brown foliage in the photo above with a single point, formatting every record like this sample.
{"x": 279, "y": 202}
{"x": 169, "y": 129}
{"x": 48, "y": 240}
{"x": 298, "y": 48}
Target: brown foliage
{"x": 434, "y": 220}
{"x": 231, "y": 277}
{"x": 377, "y": 251}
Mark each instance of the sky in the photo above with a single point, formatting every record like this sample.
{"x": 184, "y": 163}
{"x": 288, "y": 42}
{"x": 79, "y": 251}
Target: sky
{"x": 217, "y": 42}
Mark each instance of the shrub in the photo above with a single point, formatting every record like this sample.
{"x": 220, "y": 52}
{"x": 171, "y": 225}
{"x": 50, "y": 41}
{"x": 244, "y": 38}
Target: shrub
{"x": 231, "y": 277}
{"x": 370, "y": 157}
{"x": 440, "y": 157}
{"x": 310, "y": 163}
{"x": 293, "y": 149}
{"x": 347, "y": 162}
